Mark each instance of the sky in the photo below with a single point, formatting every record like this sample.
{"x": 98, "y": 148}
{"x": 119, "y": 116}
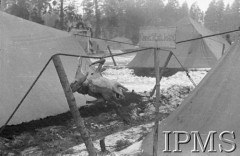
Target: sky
{"x": 203, "y": 4}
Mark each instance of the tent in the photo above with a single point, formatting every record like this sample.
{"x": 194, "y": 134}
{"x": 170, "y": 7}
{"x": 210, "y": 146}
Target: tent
{"x": 121, "y": 46}
{"x": 202, "y": 53}
{"x": 212, "y": 106}
{"x": 97, "y": 45}
{"x": 100, "y": 45}
{"x": 25, "y": 47}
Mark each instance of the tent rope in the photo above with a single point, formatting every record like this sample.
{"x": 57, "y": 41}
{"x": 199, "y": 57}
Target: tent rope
{"x": 207, "y": 36}
{"x": 187, "y": 72}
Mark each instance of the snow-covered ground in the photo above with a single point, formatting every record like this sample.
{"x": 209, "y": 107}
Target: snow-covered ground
{"x": 126, "y": 77}
{"x": 132, "y": 135}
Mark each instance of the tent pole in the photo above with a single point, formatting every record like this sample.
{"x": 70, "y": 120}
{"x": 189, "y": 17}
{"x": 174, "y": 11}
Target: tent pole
{"x": 111, "y": 55}
{"x": 157, "y": 102}
{"x": 88, "y": 46}
{"x": 162, "y": 71}
{"x": 73, "y": 106}
{"x": 223, "y": 49}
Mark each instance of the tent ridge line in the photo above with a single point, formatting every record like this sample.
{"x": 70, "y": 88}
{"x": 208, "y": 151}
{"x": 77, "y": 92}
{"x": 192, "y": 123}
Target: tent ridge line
{"x": 217, "y": 34}
{"x": 226, "y": 32}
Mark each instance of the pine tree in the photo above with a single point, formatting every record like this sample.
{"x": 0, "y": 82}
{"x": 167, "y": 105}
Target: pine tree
{"x": 111, "y": 18}
{"x": 183, "y": 11}
{"x": 153, "y": 12}
{"x": 170, "y": 13}
{"x": 236, "y": 13}
{"x": 134, "y": 18}
{"x": 220, "y": 14}
{"x": 98, "y": 19}
{"x": 210, "y": 20}
{"x": 196, "y": 13}
{"x": 19, "y": 9}
{"x": 88, "y": 10}
{"x": 3, "y": 4}
{"x": 228, "y": 19}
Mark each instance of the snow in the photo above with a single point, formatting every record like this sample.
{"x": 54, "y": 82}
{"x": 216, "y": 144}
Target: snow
{"x": 126, "y": 77}
{"x": 132, "y": 135}
{"x": 132, "y": 150}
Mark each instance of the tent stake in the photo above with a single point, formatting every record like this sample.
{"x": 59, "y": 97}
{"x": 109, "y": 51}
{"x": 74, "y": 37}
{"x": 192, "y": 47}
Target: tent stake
{"x": 73, "y": 106}
{"x": 157, "y": 102}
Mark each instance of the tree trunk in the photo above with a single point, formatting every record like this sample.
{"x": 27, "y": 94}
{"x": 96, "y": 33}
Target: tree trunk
{"x": 61, "y": 15}
{"x": 73, "y": 106}
{"x": 3, "y": 5}
{"x": 97, "y": 12}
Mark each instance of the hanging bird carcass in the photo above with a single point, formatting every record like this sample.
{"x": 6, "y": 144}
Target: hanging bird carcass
{"x": 90, "y": 81}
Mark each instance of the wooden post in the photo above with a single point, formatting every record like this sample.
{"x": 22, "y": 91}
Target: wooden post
{"x": 111, "y": 55}
{"x": 157, "y": 104}
{"x": 102, "y": 145}
{"x": 223, "y": 49}
{"x": 88, "y": 43}
{"x": 162, "y": 71}
{"x": 61, "y": 15}
{"x": 73, "y": 106}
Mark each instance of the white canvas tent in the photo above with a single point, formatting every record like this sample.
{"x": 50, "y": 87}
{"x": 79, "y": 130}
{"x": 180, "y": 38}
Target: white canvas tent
{"x": 100, "y": 45}
{"x": 119, "y": 45}
{"x": 25, "y": 47}
{"x": 212, "y": 106}
{"x": 202, "y": 53}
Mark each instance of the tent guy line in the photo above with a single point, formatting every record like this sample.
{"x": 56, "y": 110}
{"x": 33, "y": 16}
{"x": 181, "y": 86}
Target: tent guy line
{"x": 226, "y": 32}
{"x": 143, "y": 48}
{"x": 187, "y": 73}
{"x": 208, "y": 36}
{"x": 94, "y": 57}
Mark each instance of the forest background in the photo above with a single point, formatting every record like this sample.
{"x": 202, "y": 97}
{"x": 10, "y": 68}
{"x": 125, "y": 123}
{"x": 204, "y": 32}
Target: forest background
{"x": 112, "y": 18}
